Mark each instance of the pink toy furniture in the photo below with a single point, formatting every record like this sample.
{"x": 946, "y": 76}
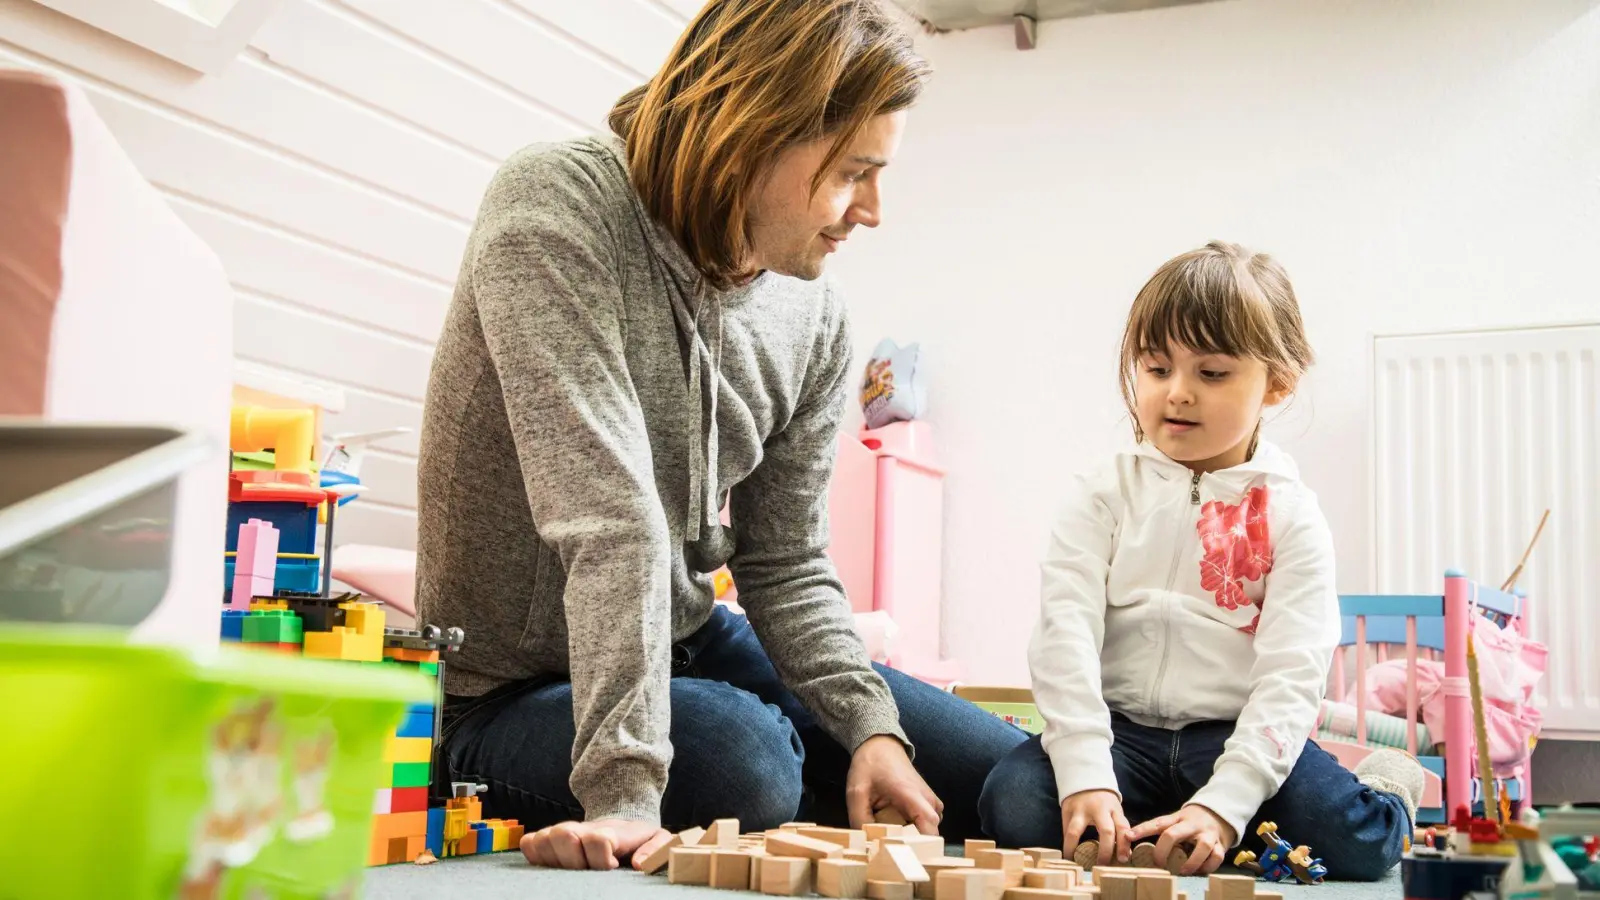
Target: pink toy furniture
{"x": 1424, "y": 625}
{"x": 887, "y": 522}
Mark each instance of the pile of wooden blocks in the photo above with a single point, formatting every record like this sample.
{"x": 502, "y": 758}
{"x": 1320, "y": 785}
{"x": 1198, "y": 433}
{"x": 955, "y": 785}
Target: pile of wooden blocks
{"x": 895, "y": 862}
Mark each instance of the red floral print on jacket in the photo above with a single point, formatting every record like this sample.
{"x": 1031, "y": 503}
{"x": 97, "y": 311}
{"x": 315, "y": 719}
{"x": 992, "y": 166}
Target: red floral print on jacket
{"x": 1237, "y": 548}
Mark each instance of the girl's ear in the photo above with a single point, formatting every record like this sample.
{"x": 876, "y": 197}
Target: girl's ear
{"x": 1278, "y": 389}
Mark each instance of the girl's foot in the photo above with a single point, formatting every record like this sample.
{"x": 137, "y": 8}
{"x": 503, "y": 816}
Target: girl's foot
{"x": 1394, "y": 772}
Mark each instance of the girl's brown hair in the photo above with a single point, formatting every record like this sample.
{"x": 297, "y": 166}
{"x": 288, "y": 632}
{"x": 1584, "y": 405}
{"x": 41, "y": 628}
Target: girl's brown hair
{"x": 1222, "y": 299}
{"x": 748, "y": 79}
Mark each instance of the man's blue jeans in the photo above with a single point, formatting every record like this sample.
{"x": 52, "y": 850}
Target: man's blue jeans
{"x": 743, "y": 745}
{"x": 1355, "y": 830}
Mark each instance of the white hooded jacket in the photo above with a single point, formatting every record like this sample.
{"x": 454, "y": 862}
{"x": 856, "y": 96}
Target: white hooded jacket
{"x": 1175, "y": 598}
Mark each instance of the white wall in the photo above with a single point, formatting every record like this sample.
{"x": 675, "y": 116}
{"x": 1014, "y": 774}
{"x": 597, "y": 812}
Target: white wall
{"x": 1415, "y": 165}
{"x": 336, "y": 165}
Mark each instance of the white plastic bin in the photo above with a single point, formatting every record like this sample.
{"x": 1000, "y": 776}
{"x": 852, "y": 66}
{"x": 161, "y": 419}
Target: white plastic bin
{"x": 86, "y": 519}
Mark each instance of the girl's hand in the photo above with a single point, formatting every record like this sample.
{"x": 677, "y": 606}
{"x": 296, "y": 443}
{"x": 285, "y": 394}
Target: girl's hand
{"x": 1103, "y": 810}
{"x": 1192, "y": 826}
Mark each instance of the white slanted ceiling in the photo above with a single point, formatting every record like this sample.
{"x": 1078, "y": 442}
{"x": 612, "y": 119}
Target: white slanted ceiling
{"x": 336, "y": 163}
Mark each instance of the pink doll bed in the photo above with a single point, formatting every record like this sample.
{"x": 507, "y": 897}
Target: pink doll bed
{"x": 1378, "y": 710}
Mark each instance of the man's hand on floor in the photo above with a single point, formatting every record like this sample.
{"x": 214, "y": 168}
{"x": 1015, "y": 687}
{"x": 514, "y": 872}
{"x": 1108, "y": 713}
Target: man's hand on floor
{"x": 592, "y": 845}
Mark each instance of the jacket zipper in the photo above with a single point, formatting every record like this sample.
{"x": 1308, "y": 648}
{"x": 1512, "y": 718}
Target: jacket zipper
{"x": 1166, "y": 600}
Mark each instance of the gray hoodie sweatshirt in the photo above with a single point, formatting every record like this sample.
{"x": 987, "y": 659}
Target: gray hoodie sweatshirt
{"x": 592, "y": 404}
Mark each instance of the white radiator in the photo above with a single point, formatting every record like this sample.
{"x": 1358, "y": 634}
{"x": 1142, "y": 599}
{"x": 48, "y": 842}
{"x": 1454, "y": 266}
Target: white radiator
{"x": 1475, "y": 435}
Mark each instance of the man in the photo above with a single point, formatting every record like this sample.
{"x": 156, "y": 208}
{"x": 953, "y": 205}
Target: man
{"x": 641, "y": 331}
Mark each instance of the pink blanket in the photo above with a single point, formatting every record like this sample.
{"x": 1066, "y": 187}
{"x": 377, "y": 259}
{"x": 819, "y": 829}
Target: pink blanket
{"x": 1509, "y": 666}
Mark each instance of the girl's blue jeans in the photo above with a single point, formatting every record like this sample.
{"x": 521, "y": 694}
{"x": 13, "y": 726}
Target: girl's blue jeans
{"x": 1356, "y": 831}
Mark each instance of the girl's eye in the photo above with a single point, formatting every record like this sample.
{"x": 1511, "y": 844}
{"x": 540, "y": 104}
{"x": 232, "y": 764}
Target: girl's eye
{"x": 1158, "y": 371}
{"x": 1213, "y": 375}
{"x": 853, "y": 177}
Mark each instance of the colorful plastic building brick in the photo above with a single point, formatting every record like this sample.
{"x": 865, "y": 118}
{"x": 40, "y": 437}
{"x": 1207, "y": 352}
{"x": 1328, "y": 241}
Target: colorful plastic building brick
{"x": 255, "y": 563}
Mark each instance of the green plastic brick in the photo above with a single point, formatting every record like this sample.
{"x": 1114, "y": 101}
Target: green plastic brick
{"x": 410, "y": 775}
{"x": 430, "y": 668}
{"x": 273, "y": 626}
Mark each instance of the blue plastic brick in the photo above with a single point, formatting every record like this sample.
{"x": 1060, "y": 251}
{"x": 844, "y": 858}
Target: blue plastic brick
{"x": 233, "y": 624}
{"x": 415, "y": 725}
{"x": 436, "y": 831}
{"x": 304, "y": 575}
{"x": 426, "y": 708}
{"x": 485, "y": 837}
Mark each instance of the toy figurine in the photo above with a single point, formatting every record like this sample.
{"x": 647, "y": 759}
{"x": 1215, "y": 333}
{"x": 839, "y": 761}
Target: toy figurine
{"x": 1279, "y": 861}
{"x": 1306, "y": 870}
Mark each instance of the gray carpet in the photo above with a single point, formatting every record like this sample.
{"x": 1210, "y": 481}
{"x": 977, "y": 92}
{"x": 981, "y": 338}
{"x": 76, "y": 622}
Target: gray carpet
{"x": 508, "y": 875}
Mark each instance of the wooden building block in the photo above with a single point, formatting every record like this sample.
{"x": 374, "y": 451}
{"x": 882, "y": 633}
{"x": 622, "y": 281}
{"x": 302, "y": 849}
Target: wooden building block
{"x": 889, "y": 890}
{"x": 1011, "y": 862}
{"x": 877, "y": 831}
{"x": 1230, "y": 887}
{"x": 848, "y": 838}
{"x": 860, "y": 855}
{"x": 970, "y": 884}
{"x": 1269, "y": 895}
{"x": 1033, "y": 893}
{"x": 722, "y": 833}
{"x": 1177, "y": 859}
{"x": 925, "y": 846}
{"x": 890, "y": 816}
{"x": 1037, "y": 855}
{"x": 929, "y": 890}
{"x": 802, "y": 847}
{"x": 841, "y": 878}
{"x": 786, "y": 876}
{"x": 1143, "y": 856}
{"x": 896, "y": 862}
{"x": 1117, "y": 885}
{"x": 730, "y": 870}
{"x": 1059, "y": 864}
{"x": 1052, "y": 879}
{"x": 689, "y": 865}
{"x": 756, "y": 856}
{"x": 795, "y": 826}
{"x": 1157, "y": 887}
{"x": 657, "y": 861}
{"x": 973, "y": 846}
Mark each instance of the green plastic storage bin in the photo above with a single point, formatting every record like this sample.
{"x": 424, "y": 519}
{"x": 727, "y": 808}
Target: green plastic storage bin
{"x": 143, "y": 772}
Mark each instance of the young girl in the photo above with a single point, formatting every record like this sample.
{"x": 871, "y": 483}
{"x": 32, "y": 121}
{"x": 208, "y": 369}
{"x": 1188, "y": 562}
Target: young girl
{"x": 1189, "y": 616}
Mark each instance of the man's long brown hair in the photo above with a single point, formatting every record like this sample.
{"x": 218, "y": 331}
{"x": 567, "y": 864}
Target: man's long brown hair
{"x": 747, "y": 80}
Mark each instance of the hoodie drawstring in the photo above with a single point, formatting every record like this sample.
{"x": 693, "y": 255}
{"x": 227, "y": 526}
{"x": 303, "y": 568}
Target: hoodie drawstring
{"x": 705, "y": 368}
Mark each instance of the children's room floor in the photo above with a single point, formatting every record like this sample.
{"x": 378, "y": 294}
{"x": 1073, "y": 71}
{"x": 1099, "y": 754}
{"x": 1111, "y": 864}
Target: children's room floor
{"x": 508, "y": 875}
